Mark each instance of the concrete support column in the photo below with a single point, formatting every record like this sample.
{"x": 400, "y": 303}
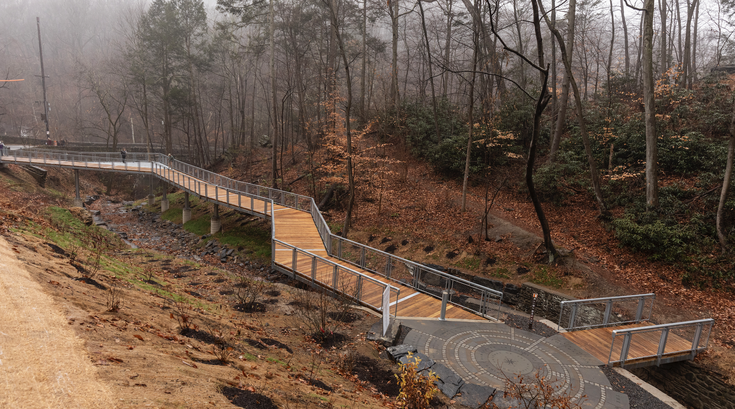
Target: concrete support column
{"x": 151, "y": 196}
{"x": 164, "y": 200}
{"x": 77, "y": 198}
{"x": 216, "y": 225}
{"x": 187, "y": 210}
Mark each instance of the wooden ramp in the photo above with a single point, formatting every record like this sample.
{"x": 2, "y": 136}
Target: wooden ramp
{"x": 294, "y": 227}
{"x": 643, "y": 348}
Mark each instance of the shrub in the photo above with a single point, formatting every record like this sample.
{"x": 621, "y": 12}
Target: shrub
{"x": 660, "y": 240}
{"x": 416, "y": 389}
{"x": 114, "y": 298}
{"x": 540, "y": 391}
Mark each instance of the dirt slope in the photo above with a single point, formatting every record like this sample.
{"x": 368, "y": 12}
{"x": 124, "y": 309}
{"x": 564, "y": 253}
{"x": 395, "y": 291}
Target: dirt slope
{"x": 43, "y": 364}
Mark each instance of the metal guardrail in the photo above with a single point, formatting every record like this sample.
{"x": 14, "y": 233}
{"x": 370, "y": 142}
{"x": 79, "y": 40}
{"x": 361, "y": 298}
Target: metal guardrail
{"x": 462, "y": 293}
{"x": 699, "y": 326}
{"x": 140, "y": 162}
{"x": 606, "y": 310}
{"x": 341, "y": 279}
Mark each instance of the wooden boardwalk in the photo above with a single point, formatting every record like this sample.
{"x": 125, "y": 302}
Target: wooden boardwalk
{"x": 643, "y": 347}
{"x": 291, "y": 226}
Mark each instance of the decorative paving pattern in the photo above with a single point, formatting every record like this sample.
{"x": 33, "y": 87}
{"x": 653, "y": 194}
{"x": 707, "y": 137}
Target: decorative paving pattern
{"x": 488, "y": 353}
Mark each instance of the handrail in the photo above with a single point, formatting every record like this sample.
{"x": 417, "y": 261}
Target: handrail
{"x": 609, "y": 303}
{"x": 661, "y": 352}
{"x": 419, "y": 274}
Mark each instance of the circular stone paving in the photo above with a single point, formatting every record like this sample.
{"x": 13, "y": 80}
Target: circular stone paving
{"x": 490, "y": 353}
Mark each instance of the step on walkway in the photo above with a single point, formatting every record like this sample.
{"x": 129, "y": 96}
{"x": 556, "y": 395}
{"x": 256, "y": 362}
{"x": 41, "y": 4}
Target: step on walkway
{"x": 484, "y": 353}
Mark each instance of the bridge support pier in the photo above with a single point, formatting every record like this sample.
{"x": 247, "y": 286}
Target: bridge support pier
{"x": 77, "y": 198}
{"x": 164, "y": 200}
{"x": 151, "y": 196}
{"x": 216, "y": 224}
{"x": 186, "y": 216}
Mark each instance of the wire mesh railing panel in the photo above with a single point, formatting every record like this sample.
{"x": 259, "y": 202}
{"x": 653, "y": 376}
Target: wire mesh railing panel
{"x": 375, "y": 262}
{"x": 599, "y": 312}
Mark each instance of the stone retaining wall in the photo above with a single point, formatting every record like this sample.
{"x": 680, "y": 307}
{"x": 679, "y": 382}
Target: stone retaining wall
{"x": 690, "y": 385}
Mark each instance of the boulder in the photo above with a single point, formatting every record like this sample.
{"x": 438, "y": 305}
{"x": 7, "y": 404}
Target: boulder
{"x": 474, "y": 396}
{"x": 424, "y": 362}
{"x": 400, "y": 350}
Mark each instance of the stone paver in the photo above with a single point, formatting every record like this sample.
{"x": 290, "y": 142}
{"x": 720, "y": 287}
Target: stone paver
{"x": 486, "y": 354}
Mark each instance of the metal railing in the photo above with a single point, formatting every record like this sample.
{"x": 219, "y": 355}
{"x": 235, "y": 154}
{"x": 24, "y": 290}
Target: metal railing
{"x": 462, "y": 293}
{"x": 600, "y": 312}
{"x": 141, "y": 162}
{"x": 334, "y": 276}
{"x": 700, "y": 331}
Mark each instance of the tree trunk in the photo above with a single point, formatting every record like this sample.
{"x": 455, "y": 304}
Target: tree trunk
{"x": 475, "y": 39}
{"x": 561, "y": 119}
{"x": 687, "y": 80}
{"x": 650, "y": 108}
{"x": 625, "y": 38}
{"x": 274, "y": 167}
{"x": 554, "y": 97}
{"x": 332, "y": 4}
{"x": 393, "y": 12}
{"x": 693, "y": 77}
{"x": 363, "y": 114}
{"x": 609, "y": 61}
{"x": 594, "y": 174}
{"x": 664, "y": 63}
{"x": 447, "y": 48}
{"x": 431, "y": 74}
{"x": 726, "y": 184}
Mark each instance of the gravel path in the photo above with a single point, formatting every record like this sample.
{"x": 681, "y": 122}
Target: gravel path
{"x": 520, "y": 322}
{"x": 638, "y": 397}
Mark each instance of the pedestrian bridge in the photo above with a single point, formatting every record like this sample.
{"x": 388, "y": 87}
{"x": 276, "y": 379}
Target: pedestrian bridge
{"x": 302, "y": 244}
{"x": 615, "y": 330}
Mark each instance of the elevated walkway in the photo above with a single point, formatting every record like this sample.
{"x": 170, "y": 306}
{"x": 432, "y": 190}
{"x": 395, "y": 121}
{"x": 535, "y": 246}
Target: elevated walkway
{"x": 302, "y": 244}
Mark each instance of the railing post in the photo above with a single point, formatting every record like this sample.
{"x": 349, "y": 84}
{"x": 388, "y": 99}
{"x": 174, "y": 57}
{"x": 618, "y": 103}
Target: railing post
{"x": 445, "y": 298}
{"x": 339, "y": 247}
{"x": 294, "y": 259}
{"x": 572, "y": 316}
{"x": 626, "y": 347}
{"x": 206, "y": 194}
{"x": 639, "y": 311}
{"x": 388, "y": 267}
{"x": 359, "y": 288}
{"x": 662, "y": 345}
{"x": 362, "y": 257}
{"x": 252, "y": 203}
{"x": 695, "y": 341}
{"x": 313, "y": 268}
{"x": 335, "y": 274}
{"x": 608, "y": 310}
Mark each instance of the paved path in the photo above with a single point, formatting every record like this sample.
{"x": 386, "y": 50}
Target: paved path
{"x": 483, "y": 353}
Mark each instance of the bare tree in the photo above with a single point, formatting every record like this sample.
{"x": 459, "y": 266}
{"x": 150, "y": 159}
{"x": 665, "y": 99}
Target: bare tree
{"x": 542, "y": 100}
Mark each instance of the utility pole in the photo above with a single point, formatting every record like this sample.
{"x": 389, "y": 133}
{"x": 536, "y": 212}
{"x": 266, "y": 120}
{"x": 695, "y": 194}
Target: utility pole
{"x": 43, "y": 79}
